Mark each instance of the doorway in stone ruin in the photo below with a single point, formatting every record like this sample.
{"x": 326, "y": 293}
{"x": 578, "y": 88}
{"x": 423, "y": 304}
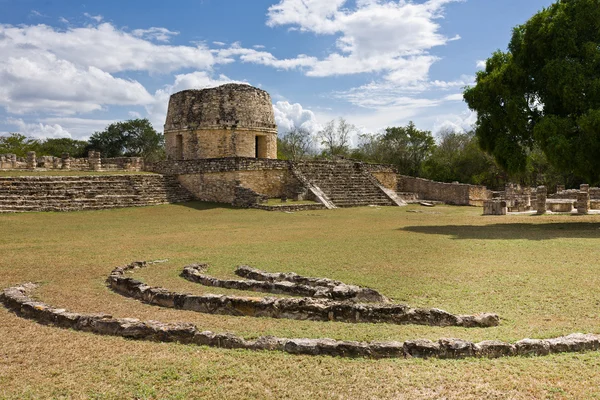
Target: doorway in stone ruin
{"x": 179, "y": 147}
{"x": 260, "y": 146}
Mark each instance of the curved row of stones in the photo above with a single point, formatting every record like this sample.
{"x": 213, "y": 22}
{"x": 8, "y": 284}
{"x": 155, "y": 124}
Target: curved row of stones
{"x": 305, "y": 308}
{"x": 284, "y": 283}
{"x": 19, "y": 301}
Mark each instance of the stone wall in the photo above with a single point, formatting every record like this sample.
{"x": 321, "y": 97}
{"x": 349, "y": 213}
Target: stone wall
{"x": 450, "y": 193}
{"x": 19, "y": 300}
{"x": 218, "y": 179}
{"x": 92, "y": 163}
{"x": 74, "y": 193}
{"x": 11, "y": 161}
{"x": 218, "y": 187}
{"x": 305, "y": 308}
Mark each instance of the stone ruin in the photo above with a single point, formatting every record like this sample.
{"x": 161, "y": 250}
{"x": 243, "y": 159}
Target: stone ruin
{"x": 19, "y": 300}
{"x": 94, "y": 162}
{"x": 232, "y": 120}
{"x": 537, "y": 200}
{"x": 221, "y": 146}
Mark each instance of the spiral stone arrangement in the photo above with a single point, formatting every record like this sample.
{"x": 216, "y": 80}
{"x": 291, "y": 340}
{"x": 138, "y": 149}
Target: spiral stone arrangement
{"x": 284, "y": 283}
{"x": 305, "y": 308}
{"x": 18, "y": 299}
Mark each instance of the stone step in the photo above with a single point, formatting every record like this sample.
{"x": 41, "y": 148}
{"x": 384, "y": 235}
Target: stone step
{"x": 19, "y": 194}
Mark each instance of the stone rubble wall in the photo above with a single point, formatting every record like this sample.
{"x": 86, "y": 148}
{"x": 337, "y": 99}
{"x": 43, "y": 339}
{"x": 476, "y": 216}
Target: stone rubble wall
{"x": 450, "y": 193}
{"x": 73, "y": 193}
{"x": 291, "y": 308}
{"x": 18, "y": 300}
{"x": 290, "y": 284}
{"x": 415, "y": 189}
{"x": 11, "y": 162}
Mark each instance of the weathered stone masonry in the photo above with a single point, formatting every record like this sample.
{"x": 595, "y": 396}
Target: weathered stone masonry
{"x": 231, "y": 120}
{"x": 291, "y": 308}
{"x": 18, "y": 300}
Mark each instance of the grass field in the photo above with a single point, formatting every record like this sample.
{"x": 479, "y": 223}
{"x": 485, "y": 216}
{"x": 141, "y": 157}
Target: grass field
{"x": 541, "y": 274}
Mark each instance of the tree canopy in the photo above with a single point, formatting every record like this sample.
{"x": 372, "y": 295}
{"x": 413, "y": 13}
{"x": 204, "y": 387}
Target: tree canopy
{"x": 132, "y": 138}
{"x": 544, "y": 91}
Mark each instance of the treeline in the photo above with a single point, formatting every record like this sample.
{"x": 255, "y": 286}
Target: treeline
{"x": 455, "y": 156}
{"x": 132, "y": 138}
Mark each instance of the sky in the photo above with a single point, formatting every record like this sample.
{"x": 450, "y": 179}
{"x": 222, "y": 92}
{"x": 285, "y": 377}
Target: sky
{"x": 70, "y": 68}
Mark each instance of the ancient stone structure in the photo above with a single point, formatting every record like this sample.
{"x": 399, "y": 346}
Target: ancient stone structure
{"x": 18, "y": 299}
{"x": 583, "y": 201}
{"x": 94, "y": 160}
{"x": 541, "y": 194}
{"x": 31, "y": 160}
{"x": 231, "y": 120}
{"x": 414, "y": 190}
{"x": 494, "y": 207}
{"x": 306, "y": 308}
{"x": 284, "y": 283}
{"x": 73, "y": 193}
{"x": 221, "y": 147}
{"x": 93, "y": 163}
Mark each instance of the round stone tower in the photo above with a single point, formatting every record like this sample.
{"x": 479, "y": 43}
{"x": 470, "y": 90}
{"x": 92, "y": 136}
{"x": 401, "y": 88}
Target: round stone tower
{"x": 231, "y": 120}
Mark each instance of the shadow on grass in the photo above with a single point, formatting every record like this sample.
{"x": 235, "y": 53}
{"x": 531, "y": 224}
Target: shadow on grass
{"x": 205, "y": 205}
{"x": 576, "y": 230}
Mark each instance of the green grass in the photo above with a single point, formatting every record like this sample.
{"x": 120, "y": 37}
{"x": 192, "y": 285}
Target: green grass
{"x": 67, "y": 173}
{"x": 539, "y": 273}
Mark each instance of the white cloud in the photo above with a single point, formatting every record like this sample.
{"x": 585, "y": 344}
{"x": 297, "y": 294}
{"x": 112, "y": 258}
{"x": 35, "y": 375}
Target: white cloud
{"x": 38, "y": 130}
{"x": 157, "y": 109}
{"x": 258, "y": 46}
{"x": 47, "y": 70}
{"x": 261, "y": 57}
{"x": 219, "y": 43}
{"x": 387, "y": 36}
{"x": 36, "y": 13}
{"x": 102, "y": 46}
{"x": 288, "y": 116}
{"x": 480, "y": 64}
{"x": 455, "y": 122}
{"x": 79, "y": 128}
{"x": 134, "y": 114}
{"x": 155, "y": 33}
{"x": 97, "y": 18}
{"x": 40, "y": 82}
{"x": 63, "y": 20}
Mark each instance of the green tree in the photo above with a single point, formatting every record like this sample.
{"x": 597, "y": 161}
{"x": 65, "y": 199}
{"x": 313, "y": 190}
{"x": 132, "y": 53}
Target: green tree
{"x": 544, "y": 91}
{"x": 458, "y": 157}
{"x": 371, "y": 148}
{"x": 18, "y": 144}
{"x": 407, "y": 147}
{"x": 56, "y": 147}
{"x": 133, "y": 138}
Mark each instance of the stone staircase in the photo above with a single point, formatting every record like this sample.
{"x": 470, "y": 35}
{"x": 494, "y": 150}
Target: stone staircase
{"x": 73, "y": 193}
{"x": 345, "y": 184}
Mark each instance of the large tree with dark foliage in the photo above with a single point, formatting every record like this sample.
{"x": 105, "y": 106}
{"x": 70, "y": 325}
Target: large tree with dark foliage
{"x": 133, "y": 138}
{"x": 545, "y": 91}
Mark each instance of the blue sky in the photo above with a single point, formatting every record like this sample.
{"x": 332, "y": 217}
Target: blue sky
{"x": 69, "y": 68}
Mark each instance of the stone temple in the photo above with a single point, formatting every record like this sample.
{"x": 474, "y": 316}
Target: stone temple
{"x": 221, "y": 146}
{"x": 232, "y": 120}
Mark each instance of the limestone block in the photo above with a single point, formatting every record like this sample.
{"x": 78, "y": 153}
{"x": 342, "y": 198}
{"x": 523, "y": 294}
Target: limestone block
{"x": 583, "y": 201}
{"x": 494, "y": 207}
